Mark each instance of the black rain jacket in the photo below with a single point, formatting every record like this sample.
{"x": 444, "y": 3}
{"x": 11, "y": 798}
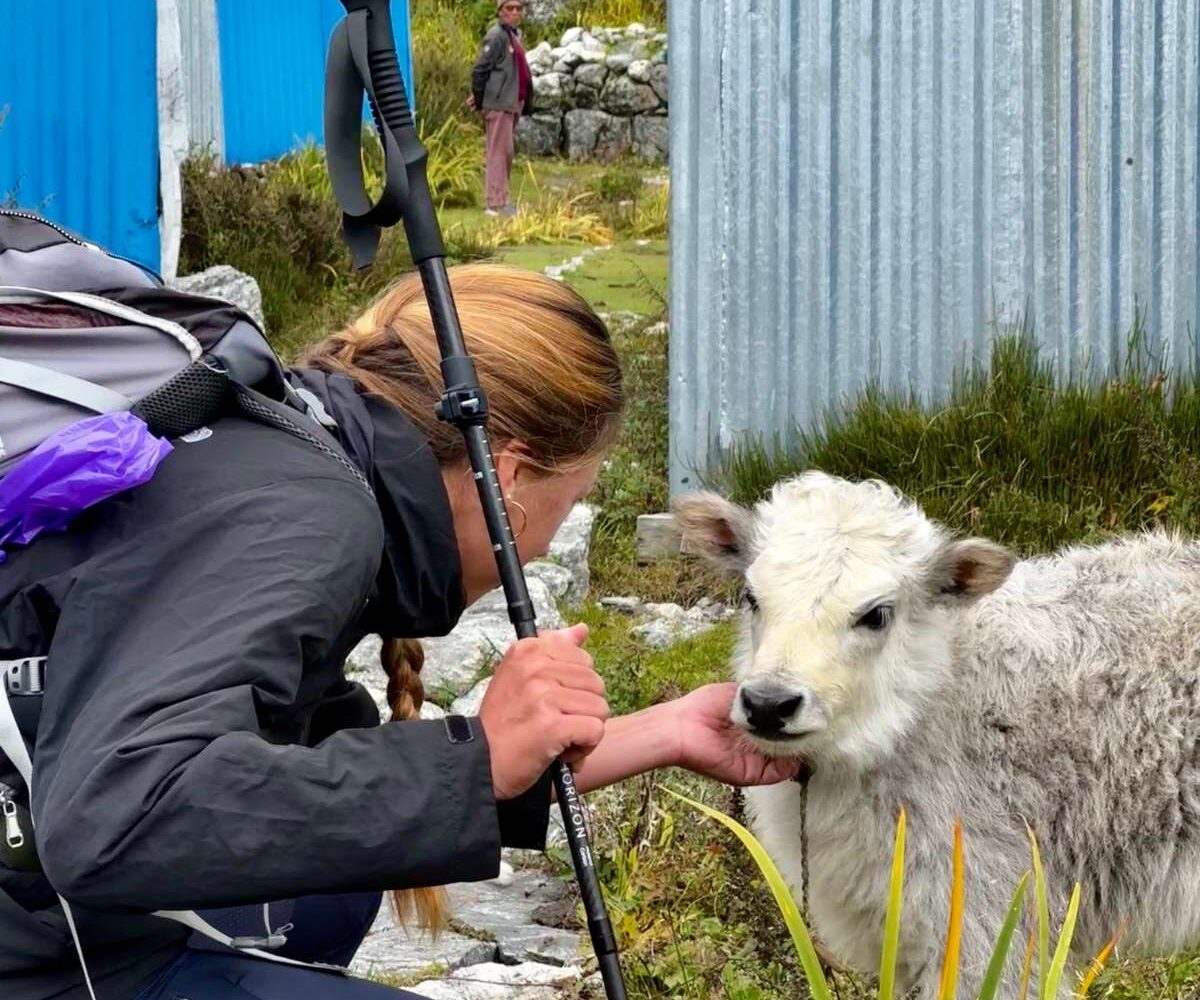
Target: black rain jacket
{"x": 198, "y": 745}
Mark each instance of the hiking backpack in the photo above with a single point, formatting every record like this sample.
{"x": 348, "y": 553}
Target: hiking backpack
{"x": 92, "y": 346}
{"x": 101, "y": 365}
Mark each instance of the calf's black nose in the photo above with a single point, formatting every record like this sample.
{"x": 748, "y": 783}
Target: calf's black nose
{"x": 769, "y": 709}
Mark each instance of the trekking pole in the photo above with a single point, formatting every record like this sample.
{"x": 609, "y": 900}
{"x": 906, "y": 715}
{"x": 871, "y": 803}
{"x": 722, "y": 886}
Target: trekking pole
{"x": 362, "y": 58}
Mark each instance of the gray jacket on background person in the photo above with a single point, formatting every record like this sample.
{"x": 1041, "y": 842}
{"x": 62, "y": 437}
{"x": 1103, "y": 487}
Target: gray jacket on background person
{"x": 494, "y": 79}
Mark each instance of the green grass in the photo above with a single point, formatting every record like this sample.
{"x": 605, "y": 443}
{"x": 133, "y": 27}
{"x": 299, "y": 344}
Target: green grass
{"x": 628, "y": 278}
{"x": 1012, "y": 456}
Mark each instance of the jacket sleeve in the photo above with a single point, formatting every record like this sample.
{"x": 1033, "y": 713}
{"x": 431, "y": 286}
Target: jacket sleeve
{"x": 490, "y": 55}
{"x": 154, "y": 786}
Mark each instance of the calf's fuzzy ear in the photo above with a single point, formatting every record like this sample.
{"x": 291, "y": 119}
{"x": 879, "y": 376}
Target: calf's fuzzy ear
{"x": 716, "y": 528}
{"x": 969, "y": 568}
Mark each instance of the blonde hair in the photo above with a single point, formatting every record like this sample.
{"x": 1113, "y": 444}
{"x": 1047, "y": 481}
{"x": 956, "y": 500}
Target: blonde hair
{"x": 553, "y": 382}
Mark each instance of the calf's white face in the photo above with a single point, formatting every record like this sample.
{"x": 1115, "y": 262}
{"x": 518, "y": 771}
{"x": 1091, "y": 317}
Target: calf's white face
{"x": 848, "y": 592}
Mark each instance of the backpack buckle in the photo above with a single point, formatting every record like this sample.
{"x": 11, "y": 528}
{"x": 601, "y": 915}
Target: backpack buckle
{"x": 24, "y": 677}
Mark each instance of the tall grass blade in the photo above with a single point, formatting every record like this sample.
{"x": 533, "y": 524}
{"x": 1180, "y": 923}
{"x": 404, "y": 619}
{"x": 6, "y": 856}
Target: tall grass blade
{"x": 1054, "y": 977}
{"x": 1043, "y": 914}
{"x": 949, "y": 981}
{"x": 891, "y": 925}
{"x": 1027, "y": 966}
{"x": 1098, "y": 964}
{"x": 817, "y": 984}
{"x": 995, "y": 969}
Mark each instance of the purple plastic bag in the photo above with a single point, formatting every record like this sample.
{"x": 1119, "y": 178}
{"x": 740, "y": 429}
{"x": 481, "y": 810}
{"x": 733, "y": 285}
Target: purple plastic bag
{"x": 75, "y": 467}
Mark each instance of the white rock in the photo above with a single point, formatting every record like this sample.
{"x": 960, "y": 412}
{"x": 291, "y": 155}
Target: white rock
{"x": 541, "y": 58}
{"x": 631, "y": 605}
{"x": 639, "y": 70}
{"x": 572, "y": 35}
{"x": 506, "y": 913}
{"x": 481, "y": 636}
{"x": 225, "y": 282}
{"x": 453, "y": 662}
{"x": 431, "y": 711}
{"x": 591, "y": 54}
{"x": 570, "y": 546}
{"x": 527, "y": 981}
{"x": 636, "y": 29}
{"x": 549, "y": 90}
{"x": 389, "y": 949}
{"x": 558, "y": 579}
{"x": 618, "y": 62}
{"x": 670, "y": 623}
{"x": 572, "y": 54}
{"x": 468, "y": 704}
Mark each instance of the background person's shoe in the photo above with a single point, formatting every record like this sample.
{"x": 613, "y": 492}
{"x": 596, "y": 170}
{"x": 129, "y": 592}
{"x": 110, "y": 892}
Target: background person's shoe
{"x": 493, "y": 211}
{"x": 509, "y": 210}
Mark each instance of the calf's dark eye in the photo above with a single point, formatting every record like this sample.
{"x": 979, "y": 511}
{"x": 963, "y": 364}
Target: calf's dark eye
{"x": 877, "y": 619}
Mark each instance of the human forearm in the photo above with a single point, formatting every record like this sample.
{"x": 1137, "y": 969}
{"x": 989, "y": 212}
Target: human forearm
{"x": 632, "y": 744}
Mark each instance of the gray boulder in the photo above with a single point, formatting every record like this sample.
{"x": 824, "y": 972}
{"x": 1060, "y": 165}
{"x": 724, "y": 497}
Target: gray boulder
{"x": 570, "y": 546}
{"x": 559, "y": 580}
{"x": 551, "y": 91}
{"x": 453, "y": 662}
{"x": 527, "y": 981}
{"x": 572, "y": 35}
{"x": 670, "y": 623}
{"x": 591, "y": 133}
{"x": 591, "y": 75}
{"x": 651, "y": 137}
{"x": 639, "y": 70}
{"x": 625, "y": 97}
{"x": 482, "y": 635}
{"x": 469, "y": 703}
{"x": 392, "y": 950}
{"x": 540, "y": 58}
{"x": 619, "y": 62}
{"x": 540, "y": 134}
{"x": 659, "y": 81}
{"x": 228, "y": 283}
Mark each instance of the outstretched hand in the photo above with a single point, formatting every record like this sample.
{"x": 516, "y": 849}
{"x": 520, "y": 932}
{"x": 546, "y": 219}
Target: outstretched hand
{"x": 711, "y": 745}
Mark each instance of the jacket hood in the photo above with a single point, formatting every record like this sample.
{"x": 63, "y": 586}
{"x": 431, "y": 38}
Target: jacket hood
{"x": 419, "y": 589}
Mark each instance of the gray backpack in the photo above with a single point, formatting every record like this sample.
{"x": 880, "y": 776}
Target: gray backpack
{"x": 83, "y": 332}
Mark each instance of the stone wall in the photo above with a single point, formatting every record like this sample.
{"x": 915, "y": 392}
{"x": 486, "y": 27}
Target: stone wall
{"x": 598, "y": 94}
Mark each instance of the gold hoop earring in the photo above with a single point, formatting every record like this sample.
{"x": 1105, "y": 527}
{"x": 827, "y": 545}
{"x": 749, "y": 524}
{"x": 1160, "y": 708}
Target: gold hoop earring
{"x": 524, "y": 516}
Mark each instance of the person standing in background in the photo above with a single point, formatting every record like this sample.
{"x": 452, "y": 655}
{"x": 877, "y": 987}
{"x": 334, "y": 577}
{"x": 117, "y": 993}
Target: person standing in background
{"x": 502, "y": 89}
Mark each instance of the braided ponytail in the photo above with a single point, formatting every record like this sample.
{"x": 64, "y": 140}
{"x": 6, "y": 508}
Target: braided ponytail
{"x": 402, "y": 660}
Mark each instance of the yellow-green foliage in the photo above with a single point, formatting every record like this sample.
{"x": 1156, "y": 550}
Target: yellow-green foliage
{"x": 1050, "y": 970}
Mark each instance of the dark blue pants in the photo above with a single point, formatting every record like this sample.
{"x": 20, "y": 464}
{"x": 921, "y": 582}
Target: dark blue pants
{"x": 326, "y": 929}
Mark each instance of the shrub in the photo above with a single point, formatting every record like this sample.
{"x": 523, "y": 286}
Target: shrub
{"x": 278, "y": 229}
{"x": 622, "y": 182}
{"x": 445, "y": 41}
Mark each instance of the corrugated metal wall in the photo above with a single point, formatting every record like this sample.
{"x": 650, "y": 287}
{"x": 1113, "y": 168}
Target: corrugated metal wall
{"x": 273, "y": 71}
{"x": 202, "y": 65}
{"x": 80, "y": 138}
{"x": 867, "y": 190}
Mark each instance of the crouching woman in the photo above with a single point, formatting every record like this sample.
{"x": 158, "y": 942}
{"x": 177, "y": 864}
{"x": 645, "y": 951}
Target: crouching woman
{"x": 199, "y": 746}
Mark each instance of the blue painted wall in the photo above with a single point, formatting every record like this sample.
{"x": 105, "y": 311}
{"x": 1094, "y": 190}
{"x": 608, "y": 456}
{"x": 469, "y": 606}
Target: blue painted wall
{"x": 273, "y": 71}
{"x": 79, "y": 141}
